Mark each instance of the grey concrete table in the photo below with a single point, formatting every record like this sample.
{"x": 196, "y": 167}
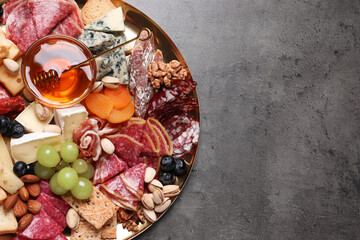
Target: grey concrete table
{"x": 279, "y": 89}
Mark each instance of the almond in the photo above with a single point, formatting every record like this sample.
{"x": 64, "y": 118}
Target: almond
{"x": 10, "y": 202}
{"x": 20, "y": 208}
{"x": 29, "y": 178}
{"x": 34, "y": 189}
{"x": 33, "y": 206}
{"x": 24, "y": 193}
{"x": 25, "y": 221}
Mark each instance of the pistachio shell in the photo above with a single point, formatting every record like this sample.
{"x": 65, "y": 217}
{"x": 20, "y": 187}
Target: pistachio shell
{"x": 72, "y": 219}
{"x": 147, "y": 201}
{"x": 171, "y": 190}
{"x": 163, "y": 206}
{"x": 110, "y": 82}
{"x": 98, "y": 87}
{"x": 158, "y": 196}
{"x": 154, "y": 184}
{"x": 149, "y": 174}
{"x": 150, "y": 215}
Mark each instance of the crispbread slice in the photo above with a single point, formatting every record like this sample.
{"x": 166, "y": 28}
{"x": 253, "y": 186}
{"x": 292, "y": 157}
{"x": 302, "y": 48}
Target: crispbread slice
{"x": 8, "y": 223}
{"x": 109, "y": 229}
{"x": 97, "y": 210}
{"x": 93, "y": 10}
{"x": 85, "y": 231}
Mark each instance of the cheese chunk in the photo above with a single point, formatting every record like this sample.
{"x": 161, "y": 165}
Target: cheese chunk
{"x": 8, "y": 223}
{"x": 5, "y": 157}
{"x": 70, "y": 118}
{"x": 30, "y": 121}
{"x": 12, "y": 82}
{"x": 25, "y": 148}
{"x": 8, "y": 180}
{"x": 113, "y": 21}
{"x": 13, "y": 51}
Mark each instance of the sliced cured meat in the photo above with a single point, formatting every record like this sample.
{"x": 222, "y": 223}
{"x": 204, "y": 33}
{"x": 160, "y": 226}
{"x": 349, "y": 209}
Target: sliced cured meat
{"x": 155, "y": 139}
{"x": 117, "y": 190}
{"x": 53, "y": 199}
{"x": 143, "y": 92}
{"x": 89, "y": 145}
{"x": 135, "y": 63}
{"x": 72, "y": 25}
{"x": 107, "y": 167}
{"x": 151, "y": 161}
{"x": 46, "y": 20}
{"x": 41, "y": 227}
{"x": 134, "y": 128}
{"x": 20, "y": 27}
{"x": 12, "y": 105}
{"x": 51, "y": 210}
{"x": 184, "y": 132}
{"x": 3, "y": 93}
{"x": 178, "y": 89}
{"x": 127, "y": 148}
{"x": 8, "y": 7}
{"x": 158, "y": 56}
{"x": 45, "y": 187}
{"x": 58, "y": 237}
{"x": 134, "y": 178}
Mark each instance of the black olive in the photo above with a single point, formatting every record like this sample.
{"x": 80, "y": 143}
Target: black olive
{"x": 180, "y": 167}
{"x": 17, "y": 130}
{"x": 4, "y": 124}
{"x": 20, "y": 168}
{"x": 166, "y": 178}
{"x": 167, "y": 163}
{"x": 30, "y": 169}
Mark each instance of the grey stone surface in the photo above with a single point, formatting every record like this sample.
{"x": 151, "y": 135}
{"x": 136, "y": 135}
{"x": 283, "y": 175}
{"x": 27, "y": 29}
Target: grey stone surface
{"x": 280, "y": 141}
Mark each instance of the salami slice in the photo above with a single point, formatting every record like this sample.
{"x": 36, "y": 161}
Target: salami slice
{"x": 134, "y": 128}
{"x": 143, "y": 92}
{"x": 151, "y": 161}
{"x": 107, "y": 167}
{"x": 52, "y": 198}
{"x": 134, "y": 179}
{"x": 45, "y": 187}
{"x": 117, "y": 190}
{"x": 135, "y": 63}
{"x": 58, "y": 237}
{"x": 51, "y": 210}
{"x": 184, "y": 132}
{"x": 41, "y": 227}
{"x": 127, "y": 148}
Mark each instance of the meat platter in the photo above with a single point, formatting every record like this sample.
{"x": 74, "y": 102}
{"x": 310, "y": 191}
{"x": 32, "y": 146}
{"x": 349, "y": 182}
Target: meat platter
{"x": 135, "y": 134}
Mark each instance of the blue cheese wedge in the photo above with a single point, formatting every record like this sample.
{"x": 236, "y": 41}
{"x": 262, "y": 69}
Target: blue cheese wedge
{"x": 113, "y": 21}
{"x": 96, "y": 41}
{"x": 30, "y": 121}
{"x": 25, "y": 148}
{"x": 70, "y": 118}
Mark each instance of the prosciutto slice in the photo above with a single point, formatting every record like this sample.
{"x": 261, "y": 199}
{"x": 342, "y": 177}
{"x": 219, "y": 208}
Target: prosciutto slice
{"x": 46, "y": 14}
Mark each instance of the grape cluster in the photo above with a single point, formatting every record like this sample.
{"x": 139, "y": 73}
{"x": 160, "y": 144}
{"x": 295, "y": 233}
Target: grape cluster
{"x": 65, "y": 171}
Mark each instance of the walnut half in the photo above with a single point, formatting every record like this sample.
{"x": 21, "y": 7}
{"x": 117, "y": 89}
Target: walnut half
{"x": 161, "y": 73}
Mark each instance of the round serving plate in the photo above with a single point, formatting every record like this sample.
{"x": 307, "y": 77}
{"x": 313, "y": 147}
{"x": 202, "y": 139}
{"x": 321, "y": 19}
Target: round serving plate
{"x": 134, "y": 21}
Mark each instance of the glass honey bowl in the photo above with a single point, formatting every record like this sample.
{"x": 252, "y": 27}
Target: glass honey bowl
{"x": 58, "y": 52}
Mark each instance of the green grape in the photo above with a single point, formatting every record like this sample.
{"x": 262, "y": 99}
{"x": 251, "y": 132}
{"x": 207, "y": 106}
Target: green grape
{"x": 80, "y": 166}
{"x": 67, "y": 178}
{"x": 69, "y": 152}
{"x": 43, "y": 172}
{"x": 83, "y": 189}
{"x": 48, "y": 156}
{"x": 89, "y": 172}
{"x": 54, "y": 186}
{"x": 62, "y": 165}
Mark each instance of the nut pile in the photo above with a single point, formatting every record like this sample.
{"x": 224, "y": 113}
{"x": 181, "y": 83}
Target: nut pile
{"x": 161, "y": 73}
{"x": 158, "y": 200}
{"x": 130, "y": 220}
{"x": 23, "y": 206}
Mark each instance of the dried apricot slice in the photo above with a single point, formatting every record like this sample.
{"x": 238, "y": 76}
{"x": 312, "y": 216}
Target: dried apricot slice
{"x": 99, "y": 104}
{"x": 121, "y": 115}
{"x": 120, "y": 96}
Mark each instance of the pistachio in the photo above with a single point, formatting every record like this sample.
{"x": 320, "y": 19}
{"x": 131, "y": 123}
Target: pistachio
{"x": 110, "y": 82}
{"x": 171, "y": 190}
{"x": 12, "y": 66}
{"x": 147, "y": 201}
{"x": 28, "y": 96}
{"x": 72, "y": 219}
{"x": 42, "y": 112}
{"x": 158, "y": 196}
{"x": 107, "y": 146}
{"x": 98, "y": 86}
{"x": 149, "y": 174}
{"x": 154, "y": 184}
{"x": 53, "y": 128}
{"x": 150, "y": 215}
{"x": 163, "y": 206}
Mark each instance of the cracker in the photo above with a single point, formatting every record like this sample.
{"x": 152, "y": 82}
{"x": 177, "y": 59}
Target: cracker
{"x": 109, "y": 229}
{"x": 97, "y": 210}
{"x": 85, "y": 231}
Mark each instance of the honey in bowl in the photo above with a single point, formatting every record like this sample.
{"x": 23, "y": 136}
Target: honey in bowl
{"x": 58, "y": 53}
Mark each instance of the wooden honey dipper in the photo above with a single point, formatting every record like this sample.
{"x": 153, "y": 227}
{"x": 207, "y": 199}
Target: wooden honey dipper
{"x": 44, "y": 79}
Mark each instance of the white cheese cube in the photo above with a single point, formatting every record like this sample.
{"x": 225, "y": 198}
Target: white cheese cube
{"x": 30, "y": 121}
{"x": 25, "y": 148}
{"x": 70, "y": 118}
